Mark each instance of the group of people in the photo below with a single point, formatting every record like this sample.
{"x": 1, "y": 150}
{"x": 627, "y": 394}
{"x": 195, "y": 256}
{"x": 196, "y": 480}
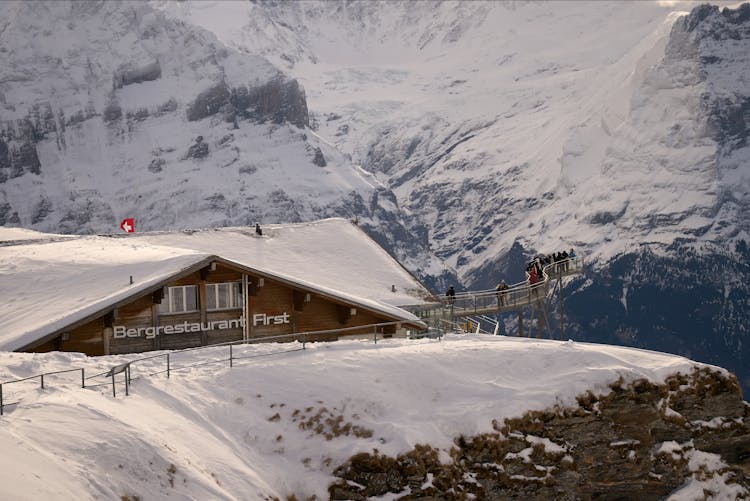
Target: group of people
{"x": 561, "y": 260}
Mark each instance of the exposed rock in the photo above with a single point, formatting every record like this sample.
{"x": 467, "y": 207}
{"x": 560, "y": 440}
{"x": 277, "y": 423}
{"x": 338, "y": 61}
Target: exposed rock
{"x": 4, "y": 155}
{"x": 128, "y": 74}
{"x": 25, "y": 159}
{"x": 629, "y": 444}
{"x": 711, "y": 38}
{"x": 226, "y": 140}
{"x": 157, "y": 163}
{"x": 169, "y": 106}
{"x": 319, "y": 159}
{"x": 41, "y": 211}
{"x": 87, "y": 210}
{"x": 208, "y": 102}
{"x": 138, "y": 115}
{"x": 5, "y": 213}
{"x": 278, "y": 101}
{"x": 198, "y": 150}
{"x": 248, "y": 169}
{"x": 112, "y": 112}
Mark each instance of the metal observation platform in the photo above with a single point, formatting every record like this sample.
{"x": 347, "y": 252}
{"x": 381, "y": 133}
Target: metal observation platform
{"x": 469, "y": 311}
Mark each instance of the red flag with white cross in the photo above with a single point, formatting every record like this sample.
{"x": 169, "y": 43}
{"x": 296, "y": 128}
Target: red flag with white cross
{"x": 128, "y": 225}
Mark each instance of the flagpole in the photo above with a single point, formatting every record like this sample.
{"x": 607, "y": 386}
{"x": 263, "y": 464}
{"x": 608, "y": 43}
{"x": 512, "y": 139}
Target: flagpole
{"x": 137, "y": 212}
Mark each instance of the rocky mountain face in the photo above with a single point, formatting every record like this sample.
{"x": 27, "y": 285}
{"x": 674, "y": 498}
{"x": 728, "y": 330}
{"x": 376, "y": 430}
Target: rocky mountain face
{"x": 112, "y": 109}
{"x": 465, "y": 137}
{"x": 641, "y": 441}
{"x": 691, "y": 296}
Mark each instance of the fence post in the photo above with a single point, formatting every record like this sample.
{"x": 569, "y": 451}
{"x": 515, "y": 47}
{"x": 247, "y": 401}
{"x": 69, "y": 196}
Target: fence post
{"x": 375, "y": 334}
{"x": 167, "y": 365}
{"x": 83, "y": 379}
{"x": 230, "y": 355}
{"x": 41, "y": 376}
{"x": 114, "y": 390}
{"x": 127, "y": 380}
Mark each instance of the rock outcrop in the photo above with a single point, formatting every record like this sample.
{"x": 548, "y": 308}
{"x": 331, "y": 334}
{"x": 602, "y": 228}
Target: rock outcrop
{"x": 640, "y": 441}
{"x": 198, "y": 150}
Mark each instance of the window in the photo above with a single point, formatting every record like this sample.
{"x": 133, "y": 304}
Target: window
{"x": 223, "y": 296}
{"x": 180, "y": 299}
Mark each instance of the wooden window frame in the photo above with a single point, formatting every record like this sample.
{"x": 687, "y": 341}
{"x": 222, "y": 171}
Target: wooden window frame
{"x": 165, "y": 308}
{"x": 235, "y": 296}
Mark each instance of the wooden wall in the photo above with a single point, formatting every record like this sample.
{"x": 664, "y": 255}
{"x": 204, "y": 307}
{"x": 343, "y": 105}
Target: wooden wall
{"x": 273, "y": 299}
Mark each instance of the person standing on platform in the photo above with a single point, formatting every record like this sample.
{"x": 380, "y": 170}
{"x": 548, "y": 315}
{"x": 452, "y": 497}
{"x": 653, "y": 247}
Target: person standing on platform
{"x": 450, "y": 295}
{"x": 533, "y": 280}
{"x": 501, "y": 288}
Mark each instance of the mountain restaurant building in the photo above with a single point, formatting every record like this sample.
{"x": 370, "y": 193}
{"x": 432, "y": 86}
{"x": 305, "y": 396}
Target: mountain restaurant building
{"x": 126, "y": 294}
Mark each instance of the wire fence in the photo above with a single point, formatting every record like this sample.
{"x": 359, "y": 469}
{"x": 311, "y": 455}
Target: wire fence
{"x": 229, "y": 353}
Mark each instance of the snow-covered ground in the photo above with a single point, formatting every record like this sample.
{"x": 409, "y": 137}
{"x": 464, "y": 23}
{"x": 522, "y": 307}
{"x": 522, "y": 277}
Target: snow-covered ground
{"x": 215, "y": 432}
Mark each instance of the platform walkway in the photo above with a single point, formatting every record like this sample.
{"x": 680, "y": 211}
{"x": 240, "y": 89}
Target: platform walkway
{"x": 489, "y": 302}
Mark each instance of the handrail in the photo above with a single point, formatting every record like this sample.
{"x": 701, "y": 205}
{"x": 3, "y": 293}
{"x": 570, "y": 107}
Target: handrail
{"x": 41, "y": 383}
{"x": 520, "y": 293}
{"x": 125, "y": 367}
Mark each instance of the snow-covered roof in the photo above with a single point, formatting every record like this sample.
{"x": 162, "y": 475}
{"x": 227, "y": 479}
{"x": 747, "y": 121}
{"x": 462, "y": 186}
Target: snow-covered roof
{"x": 332, "y": 254}
{"x": 50, "y": 284}
{"x": 47, "y": 286}
{"x": 11, "y": 235}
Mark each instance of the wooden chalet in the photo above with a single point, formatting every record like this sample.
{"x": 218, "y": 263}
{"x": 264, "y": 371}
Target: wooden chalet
{"x": 108, "y": 295}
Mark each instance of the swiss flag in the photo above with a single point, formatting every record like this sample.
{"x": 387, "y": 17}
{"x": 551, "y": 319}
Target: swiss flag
{"x": 128, "y": 225}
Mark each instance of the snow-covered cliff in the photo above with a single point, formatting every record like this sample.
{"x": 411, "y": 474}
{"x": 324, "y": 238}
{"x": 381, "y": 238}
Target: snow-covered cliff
{"x": 112, "y": 109}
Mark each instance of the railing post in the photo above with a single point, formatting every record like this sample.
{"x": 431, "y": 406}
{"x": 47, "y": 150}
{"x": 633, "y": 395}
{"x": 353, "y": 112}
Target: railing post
{"x": 230, "y": 355}
{"x": 83, "y": 378}
{"x": 167, "y": 365}
{"x": 114, "y": 390}
{"x": 127, "y": 380}
{"x": 41, "y": 377}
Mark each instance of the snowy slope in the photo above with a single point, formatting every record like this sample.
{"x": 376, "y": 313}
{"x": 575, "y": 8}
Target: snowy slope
{"x": 218, "y": 433}
{"x": 548, "y": 124}
{"x": 479, "y": 124}
{"x": 111, "y": 110}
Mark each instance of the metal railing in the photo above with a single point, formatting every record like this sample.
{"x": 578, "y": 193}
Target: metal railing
{"x": 519, "y": 294}
{"x": 493, "y": 301}
{"x": 3, "y": 401}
